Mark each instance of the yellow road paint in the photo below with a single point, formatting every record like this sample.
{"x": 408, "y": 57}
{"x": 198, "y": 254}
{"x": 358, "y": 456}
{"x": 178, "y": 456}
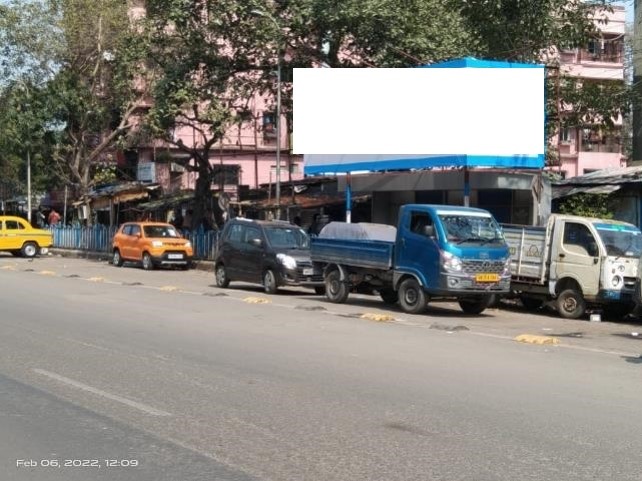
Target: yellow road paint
{"x": 9, "y": 268}
{"x": 169, "y": 288}
{"x": 96, "y": 279}
{"x": 371, "y": 316}
{"x": 532, "y": 339}
{"x": 257, "y": 300}
{"x": 47, "y": 273}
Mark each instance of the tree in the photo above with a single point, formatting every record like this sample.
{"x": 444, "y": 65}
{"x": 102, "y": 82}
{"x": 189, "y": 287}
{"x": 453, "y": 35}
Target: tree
{"x": 79, "y": 51}
{"x": 208, "y": 58}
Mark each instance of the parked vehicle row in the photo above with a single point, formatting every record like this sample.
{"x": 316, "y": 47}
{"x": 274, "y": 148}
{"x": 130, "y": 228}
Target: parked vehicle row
{"x": 436, "y": 252}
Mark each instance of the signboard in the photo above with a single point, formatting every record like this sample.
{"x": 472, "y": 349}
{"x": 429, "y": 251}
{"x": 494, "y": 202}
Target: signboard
{"x": 468, "y": 112}
{"x": 146, "y": 172}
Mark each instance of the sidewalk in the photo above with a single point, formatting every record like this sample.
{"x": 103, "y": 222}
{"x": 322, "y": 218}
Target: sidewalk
{"x": 106, "y": 257}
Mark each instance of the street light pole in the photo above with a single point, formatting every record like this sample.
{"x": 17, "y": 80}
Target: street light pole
{"x": 278, "y": 134}
{"x": 29, "y": 185}
{"x": 263, "y": 13}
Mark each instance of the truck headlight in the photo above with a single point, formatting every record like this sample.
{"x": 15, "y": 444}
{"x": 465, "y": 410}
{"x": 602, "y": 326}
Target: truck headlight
{"x": 157, "y": 243}
{"x": 616, "y": 281}
{"x": 287, "y": 261}
{"x": 451, "y": 262}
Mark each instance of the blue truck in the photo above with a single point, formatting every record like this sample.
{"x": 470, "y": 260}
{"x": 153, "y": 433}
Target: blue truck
{"x": 436, "y": 252}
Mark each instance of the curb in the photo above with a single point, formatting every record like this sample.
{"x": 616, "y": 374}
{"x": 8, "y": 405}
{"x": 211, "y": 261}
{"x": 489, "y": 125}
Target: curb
{"x": 105, "y": 257}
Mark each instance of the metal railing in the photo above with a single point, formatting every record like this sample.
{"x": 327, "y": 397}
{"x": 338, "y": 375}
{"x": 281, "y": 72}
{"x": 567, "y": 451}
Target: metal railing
{"x": 98, "y": 238}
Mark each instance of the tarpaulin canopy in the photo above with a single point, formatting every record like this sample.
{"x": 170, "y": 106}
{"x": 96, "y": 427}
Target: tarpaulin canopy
{"x": 315, "y": 164}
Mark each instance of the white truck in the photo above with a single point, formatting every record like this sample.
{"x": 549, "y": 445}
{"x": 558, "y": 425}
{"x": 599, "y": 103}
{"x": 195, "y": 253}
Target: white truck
{"x": 576, "y": 262}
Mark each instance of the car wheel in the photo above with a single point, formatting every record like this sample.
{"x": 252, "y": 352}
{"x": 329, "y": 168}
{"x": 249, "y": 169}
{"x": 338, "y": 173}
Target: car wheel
{"x": 116, "y": 260}
{"x": 269, "y": 282}
{"x": 29, "y": 249}
{"x": 570, "y": 304}
{"x": 412, "y": 297}
{"x": 475, "y": 306}
{"x": 221, "y": 276}
{"x": 336, "y": 290}
{"x": 389, "y": 296}
{"x": 148, "y": 263}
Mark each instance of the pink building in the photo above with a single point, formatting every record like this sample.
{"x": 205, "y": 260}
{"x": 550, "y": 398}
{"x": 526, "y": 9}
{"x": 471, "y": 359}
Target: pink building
{"x": 247, "y": 153}
{"x": 586, "y": 150}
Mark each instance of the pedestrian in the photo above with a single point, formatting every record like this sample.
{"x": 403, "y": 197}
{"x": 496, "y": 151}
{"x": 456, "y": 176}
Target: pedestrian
{"x": 54, "y": 217}
{"x": 315, "y": 227}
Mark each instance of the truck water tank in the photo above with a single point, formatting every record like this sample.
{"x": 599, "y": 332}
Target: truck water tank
{"x": 360, "y": 231}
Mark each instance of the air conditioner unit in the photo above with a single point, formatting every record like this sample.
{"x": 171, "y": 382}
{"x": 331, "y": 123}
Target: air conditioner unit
{"x": 174, "y": 167}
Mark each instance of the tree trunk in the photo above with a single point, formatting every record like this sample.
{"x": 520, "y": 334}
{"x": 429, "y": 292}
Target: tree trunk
{"x": 203, "y": 193}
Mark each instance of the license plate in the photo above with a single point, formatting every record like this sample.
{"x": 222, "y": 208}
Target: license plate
{"x": 487, "y": 278}
{"x": 175, "y": 256}
{"x": 308, "y": 272}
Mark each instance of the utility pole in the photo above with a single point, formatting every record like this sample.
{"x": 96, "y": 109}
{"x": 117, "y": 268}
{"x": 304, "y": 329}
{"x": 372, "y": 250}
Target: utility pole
{"x": 29, "y": 185}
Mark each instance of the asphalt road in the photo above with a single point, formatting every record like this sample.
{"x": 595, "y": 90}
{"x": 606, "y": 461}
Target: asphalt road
{"x": 99, "y": 363}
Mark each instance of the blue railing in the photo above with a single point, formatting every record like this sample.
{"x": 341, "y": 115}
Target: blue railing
{"x": 98, "y": 238}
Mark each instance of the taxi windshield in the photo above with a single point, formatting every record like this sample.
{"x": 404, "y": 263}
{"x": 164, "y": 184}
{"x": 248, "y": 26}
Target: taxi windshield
{"x": 620, "y": 240}
{"x": 462, "y": 228}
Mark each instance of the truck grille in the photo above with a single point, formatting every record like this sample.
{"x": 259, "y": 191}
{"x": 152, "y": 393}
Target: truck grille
{"x": 483, "y": 266}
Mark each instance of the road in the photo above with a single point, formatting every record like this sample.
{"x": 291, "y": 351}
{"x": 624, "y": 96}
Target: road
{"x": 194, "y": 382}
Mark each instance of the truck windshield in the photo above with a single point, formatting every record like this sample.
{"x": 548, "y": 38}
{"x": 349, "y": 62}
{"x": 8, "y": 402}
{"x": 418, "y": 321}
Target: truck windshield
{"x": 287, "y": 238}
{"x": 471, "y": 228}
{"x": 620, "y": 240}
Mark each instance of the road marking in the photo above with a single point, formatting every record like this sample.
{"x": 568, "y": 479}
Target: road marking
{"x": 257, "y": 300}
{"x": 47, "y": 273}
{"x": 128, "y": 402}
{"x": 168, "y": 288}
{"x": 9, "y": 268}
{"x": 96, "y": 279}
{"x": 531, "y": 339}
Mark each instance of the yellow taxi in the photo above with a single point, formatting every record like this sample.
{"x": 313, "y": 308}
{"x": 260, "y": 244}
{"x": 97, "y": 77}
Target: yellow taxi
{"x": 152, "y": 244}
{"x": 20, "y": 238}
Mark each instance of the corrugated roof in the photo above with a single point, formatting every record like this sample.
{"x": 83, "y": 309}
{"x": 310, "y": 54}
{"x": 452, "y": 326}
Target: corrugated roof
{"x": 616, "y": 175}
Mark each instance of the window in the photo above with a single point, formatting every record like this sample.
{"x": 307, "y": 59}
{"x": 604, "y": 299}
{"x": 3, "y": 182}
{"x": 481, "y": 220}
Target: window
{"x": 565, "y": 135}
{"x": 127, "y": 230}
{"x": 418, "y": 223}
{"x": 252, "y": 233}
{"x": 135, "y": 230}
{"x": 228, "y": 174}
{"x": 594, "y": 47}
{"x": 579, "y": 240}
{"x": 236, "y": 233}
{"x": 13, "y": 225}
{"x": 294, "y": 169}
{"x": 269, "y": 125}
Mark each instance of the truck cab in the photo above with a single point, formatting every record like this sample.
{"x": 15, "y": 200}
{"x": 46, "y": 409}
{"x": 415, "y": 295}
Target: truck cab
{"x": 451, "y": 250}
{"x": 575, "y": 261}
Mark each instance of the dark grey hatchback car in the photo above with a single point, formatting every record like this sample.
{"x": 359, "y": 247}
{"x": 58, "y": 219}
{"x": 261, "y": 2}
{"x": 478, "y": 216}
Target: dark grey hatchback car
{"x": 271, "y": 253}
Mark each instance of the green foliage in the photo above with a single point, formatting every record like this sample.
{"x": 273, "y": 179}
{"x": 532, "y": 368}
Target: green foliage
{"x": 588, "y": 205}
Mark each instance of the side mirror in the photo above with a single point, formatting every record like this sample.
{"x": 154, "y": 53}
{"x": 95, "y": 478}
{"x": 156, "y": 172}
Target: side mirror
{"x": 255, "y": 242}
{"x": 429, "y": 230}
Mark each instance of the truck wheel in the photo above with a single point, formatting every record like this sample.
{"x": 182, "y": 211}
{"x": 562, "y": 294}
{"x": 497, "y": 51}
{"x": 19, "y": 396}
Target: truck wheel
{"x": 412, "y": 297}
{"x": 531, "y": 303}
{"x": 269, "y": 282}
{"x": 335, "y": 289}
{"x": 476, "y": 306}
{"x": 389, "y": 296}
{"x": 570, "y": 304}
{"x": 29, "y": 249}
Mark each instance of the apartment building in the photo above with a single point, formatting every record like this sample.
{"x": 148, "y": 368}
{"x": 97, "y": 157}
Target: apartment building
{"x": 585, "y": 150}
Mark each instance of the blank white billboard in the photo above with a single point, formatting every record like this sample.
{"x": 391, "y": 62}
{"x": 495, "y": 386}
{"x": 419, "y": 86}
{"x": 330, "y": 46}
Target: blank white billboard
{"x": 419, "y": 111}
